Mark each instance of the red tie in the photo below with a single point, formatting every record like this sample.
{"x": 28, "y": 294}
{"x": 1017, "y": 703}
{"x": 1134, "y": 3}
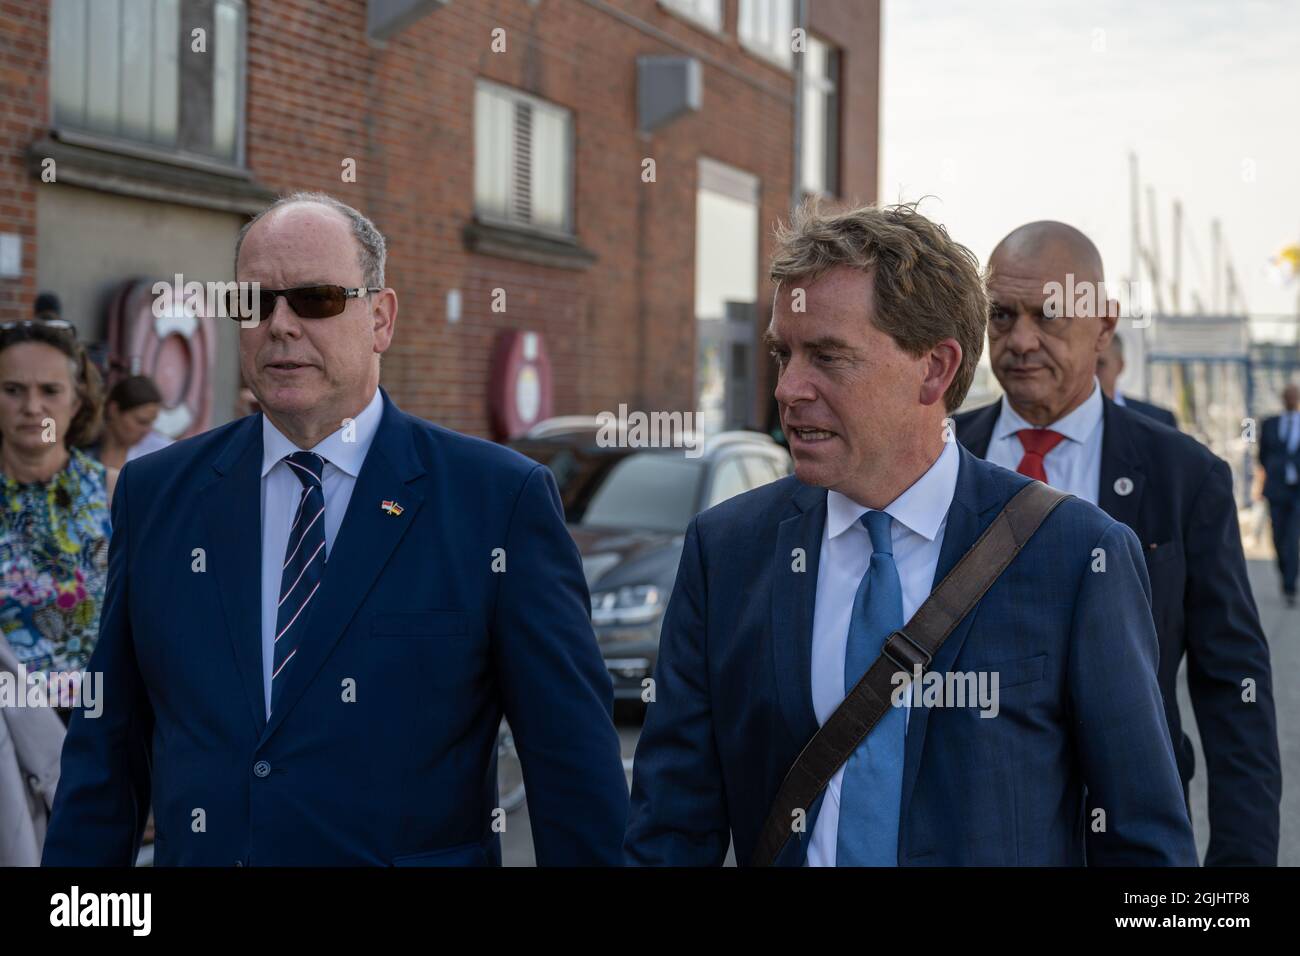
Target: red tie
{"x": 1036, "y": 442}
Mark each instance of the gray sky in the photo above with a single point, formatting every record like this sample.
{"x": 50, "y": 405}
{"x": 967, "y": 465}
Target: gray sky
{"x": 1007, "y": 111}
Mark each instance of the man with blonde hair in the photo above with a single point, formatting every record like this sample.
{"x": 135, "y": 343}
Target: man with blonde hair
{"x": 788, "y": 615}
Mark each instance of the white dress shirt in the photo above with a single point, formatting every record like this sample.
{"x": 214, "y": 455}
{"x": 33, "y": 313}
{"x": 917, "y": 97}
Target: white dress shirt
{"x": 1074, "y": 465}
{"x": 1119, "y": 398}
{"x": 920, "y": 515}
{"x": 281, "y": 490}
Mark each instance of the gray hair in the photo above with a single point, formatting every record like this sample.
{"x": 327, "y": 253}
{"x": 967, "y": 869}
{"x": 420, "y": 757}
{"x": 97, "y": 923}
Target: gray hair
{"x": 372, "y": 248}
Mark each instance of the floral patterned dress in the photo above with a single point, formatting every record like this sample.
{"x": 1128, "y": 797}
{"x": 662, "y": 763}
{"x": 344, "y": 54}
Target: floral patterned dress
{"x": 53, "y": 565}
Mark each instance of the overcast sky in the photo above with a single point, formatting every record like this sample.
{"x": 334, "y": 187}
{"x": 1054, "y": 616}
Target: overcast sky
{"x": 1006, "y": 111}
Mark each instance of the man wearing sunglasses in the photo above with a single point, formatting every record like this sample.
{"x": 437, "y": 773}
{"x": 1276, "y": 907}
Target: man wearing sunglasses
{"x": 1054, "y": 423}
{"x": 318, "y": 615}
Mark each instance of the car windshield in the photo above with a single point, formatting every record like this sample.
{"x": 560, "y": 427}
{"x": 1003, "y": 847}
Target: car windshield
{"x": 620, "y": 488}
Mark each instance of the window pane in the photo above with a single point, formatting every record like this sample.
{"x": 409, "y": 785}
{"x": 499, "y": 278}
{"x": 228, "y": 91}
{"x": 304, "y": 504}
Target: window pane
{"x": 68, "y": 36}
{"x": 166, "y": 82}
{"x": 493, "y": 149}
{"x": 103, "y": 60}
{"x": 225, "y": 50}
{"x": 137, "y": 68}
{"x": 766, "y": 25}
{"x": 707, "y": 12}
{"x": 550, "y": 168}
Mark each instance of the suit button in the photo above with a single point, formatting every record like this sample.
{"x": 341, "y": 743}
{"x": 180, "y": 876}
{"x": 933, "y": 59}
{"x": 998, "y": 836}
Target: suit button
{"x": 262, "y": 769}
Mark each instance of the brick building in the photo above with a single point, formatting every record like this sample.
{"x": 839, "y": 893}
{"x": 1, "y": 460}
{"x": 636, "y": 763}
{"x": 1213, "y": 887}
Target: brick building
{"x": 503, "y": 146}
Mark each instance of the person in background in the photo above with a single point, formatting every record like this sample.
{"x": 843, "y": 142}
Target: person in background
{"x": 47, "y": 307}
{"x": 129, "y": 414}
{"x": 1110, "y": 366}
{"x": 1279, "y": 457}
{"x": 1054, "y": 423}
{"x": 54, "y": 499}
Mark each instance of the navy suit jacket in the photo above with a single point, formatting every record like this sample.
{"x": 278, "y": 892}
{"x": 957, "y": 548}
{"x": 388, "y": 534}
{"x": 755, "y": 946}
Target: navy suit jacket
{"x": 1163, "y": 415}
{"x": 1075, "y": 650}
{"x": 1273, "y": 458}
{"x": 1182, "y": 508}
{"x": 411, "y": 616}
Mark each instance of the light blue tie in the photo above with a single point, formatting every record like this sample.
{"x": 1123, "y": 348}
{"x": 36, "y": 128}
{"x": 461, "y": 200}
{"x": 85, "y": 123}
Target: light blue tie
{"x": 872, "y": 787}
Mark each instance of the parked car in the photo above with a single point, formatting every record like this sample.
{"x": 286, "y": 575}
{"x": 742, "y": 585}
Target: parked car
{"x": 628, "y": 510}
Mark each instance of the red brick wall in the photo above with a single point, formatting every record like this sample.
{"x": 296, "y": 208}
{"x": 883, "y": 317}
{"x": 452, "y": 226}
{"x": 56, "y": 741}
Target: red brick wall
{"x": 24, "y": 115}
{"x": 622, "y": 330}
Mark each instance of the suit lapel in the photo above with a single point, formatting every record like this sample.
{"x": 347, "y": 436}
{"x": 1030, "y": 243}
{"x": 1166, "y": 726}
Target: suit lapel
{"x": 974, "y": 505}
{"x": 793, "y": 599}
{"x": 365, "y": 540}
{"x": 230, "y": 507}
{"x": 1122, "y": 479}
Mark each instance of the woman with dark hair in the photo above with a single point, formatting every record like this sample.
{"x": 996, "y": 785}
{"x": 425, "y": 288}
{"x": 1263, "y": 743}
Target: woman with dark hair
{"x": 129, "y": 414}
{"x": 54, "y": 498}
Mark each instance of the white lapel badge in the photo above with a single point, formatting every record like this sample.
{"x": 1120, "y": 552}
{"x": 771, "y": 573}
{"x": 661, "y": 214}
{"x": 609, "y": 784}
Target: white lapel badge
{"x": 1123, "y": 486}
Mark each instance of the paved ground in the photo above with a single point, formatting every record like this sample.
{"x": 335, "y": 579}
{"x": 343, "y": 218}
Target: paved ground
{"x": 1282, "y": 625}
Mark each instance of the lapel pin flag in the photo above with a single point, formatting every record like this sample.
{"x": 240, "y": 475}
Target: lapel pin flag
{"x": 391, "y": 507}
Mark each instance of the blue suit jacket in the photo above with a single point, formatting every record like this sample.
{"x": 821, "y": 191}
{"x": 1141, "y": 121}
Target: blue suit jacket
{"x": 1076, "y": 654}
{"x": 1182, "y": 508}
{"x": 411, "y": 614}
{"x": 1273, "y": 458}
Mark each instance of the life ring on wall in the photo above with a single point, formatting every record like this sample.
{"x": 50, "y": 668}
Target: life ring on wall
{"x": 173, "y": 343}
{"x": 519, "y": 386}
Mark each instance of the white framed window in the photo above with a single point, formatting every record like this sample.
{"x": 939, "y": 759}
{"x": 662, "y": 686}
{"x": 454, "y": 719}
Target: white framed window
{"x": 766, "y": 28}
{"x": 707, "y": 13}
{"x": 819, "y": 166}
{"x": 523, "y": 159}
{"x": 127, "y": 70}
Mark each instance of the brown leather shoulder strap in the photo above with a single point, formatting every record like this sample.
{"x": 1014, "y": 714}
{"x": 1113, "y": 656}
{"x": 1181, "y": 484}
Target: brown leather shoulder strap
{"x": 915, "y": 644}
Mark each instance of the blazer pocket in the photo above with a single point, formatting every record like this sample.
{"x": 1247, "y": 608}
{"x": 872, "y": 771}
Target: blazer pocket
{"x": 1014, "y": 673}
{"x": 1159, "y": 555}
{"x": 417, "y": 624}
{"x": 466, "y": 854}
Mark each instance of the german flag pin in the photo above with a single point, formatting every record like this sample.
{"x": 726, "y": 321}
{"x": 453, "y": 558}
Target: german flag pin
{"x": 392, "y": 508}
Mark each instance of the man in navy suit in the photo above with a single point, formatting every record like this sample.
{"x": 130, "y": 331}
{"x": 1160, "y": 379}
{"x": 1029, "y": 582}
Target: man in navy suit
{"x": 316, "y": 616}
{"x": 1279, "y": 456}
{"x": 1054, "y": 423}
{"x": 785, "y": 595}
{"x": 1110, "y": 365}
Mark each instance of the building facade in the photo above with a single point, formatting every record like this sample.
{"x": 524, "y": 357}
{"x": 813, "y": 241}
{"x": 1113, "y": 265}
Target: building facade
{"x": 579, "y": 195}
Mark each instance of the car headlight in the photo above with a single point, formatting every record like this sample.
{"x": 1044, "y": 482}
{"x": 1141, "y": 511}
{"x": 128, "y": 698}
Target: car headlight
{"x": 631, "y": 604}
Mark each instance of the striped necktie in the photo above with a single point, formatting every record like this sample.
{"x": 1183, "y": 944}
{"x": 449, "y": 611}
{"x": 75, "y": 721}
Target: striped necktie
{"x": 304, "y": 563}
{"x": 871, "y": 789}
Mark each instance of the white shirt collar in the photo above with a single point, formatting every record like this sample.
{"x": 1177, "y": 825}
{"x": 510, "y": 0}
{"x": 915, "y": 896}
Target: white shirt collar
{"x": 1077, "y": 426}
{"x": 347, "y": 456}
{"x": 922, "y": 508}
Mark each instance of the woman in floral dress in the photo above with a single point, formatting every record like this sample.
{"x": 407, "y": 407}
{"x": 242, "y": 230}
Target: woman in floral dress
{"x": 54, "y": 517}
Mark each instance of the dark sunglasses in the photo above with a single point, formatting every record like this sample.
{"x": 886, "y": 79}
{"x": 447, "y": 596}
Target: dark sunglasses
{"x": 59, "y": 325}
{"x": 307, "y": 302}
{"x": 29, "y": 329}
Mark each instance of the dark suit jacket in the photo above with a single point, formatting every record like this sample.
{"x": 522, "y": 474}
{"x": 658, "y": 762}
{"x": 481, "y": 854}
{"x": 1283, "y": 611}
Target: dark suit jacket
{"x": 1273, "y": 458}
{"x": 1183, "y": 510}
{"x": 1161, "y": 414}
{"x": 436, "y": 644}
{"x": 1076, "y": 654}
